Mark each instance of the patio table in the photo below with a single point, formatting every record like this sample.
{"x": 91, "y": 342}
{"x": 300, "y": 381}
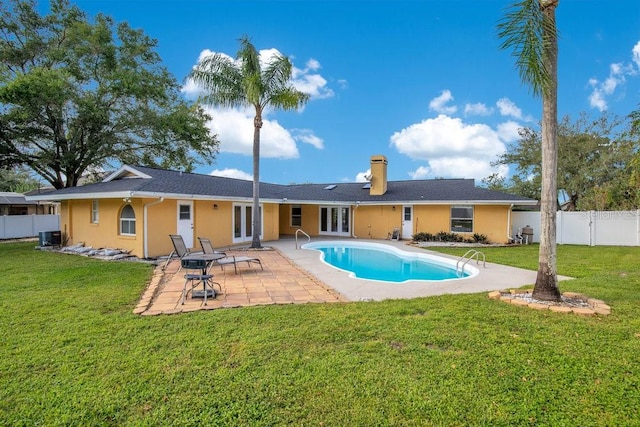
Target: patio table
{"x": 202, "y": 262}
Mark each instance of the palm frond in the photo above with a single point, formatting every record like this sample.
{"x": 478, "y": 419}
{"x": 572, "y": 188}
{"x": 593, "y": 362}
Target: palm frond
{"x": 527, "y": 32}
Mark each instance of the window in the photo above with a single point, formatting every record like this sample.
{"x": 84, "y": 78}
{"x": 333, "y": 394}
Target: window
{"x": 296, "y": 216}
{"x": 462, "y": 219}
{"x": 94, "y": 212}
{"x": 128, "y": 221}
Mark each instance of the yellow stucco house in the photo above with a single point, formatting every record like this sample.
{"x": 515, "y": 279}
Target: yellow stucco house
{"x": 136, "y": 208}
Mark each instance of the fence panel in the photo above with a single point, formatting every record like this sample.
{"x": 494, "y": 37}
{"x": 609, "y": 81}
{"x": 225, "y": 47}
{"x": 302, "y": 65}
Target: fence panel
{"x": 573, "y": 228}
{"x": 618, "y": 228}
{"x": 613, "y": 228}
{"x": 19, "y": 226}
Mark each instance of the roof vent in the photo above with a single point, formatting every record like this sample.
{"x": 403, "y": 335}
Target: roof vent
{"x": 330, "y": 187}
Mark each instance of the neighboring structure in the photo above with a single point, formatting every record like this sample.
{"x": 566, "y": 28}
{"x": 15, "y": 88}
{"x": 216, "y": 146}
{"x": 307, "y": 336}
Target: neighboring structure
{"x": 136, "y": 208}
{"x": 17, "y": 204}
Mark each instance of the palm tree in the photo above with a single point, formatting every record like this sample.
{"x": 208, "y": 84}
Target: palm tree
{"x": 529, "y": 29}
{"x": 245, "y": 83}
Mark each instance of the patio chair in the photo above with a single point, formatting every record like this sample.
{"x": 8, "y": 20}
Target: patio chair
{"x": 394, "y": 235}
{"x": 207, "y": 248}
{"x": 179, "y": 248}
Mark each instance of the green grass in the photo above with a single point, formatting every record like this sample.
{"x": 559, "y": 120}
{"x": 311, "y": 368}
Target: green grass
{"x": 73, "y": 353}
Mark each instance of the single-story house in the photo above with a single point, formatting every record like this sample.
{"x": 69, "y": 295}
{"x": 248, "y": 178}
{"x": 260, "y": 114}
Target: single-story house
{"x": 136, "y": 208}
{"x": 17, "y": 204}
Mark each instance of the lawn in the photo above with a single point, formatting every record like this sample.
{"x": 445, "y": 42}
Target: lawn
{"x": 73, "y": 353}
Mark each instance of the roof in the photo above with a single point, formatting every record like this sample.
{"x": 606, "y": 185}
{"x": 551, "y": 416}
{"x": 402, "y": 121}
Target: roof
{"x": 141, "y": 181}
{"x": 8, "y": 198}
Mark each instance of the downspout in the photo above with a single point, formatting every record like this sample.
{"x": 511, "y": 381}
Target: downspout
{"x": 509, "y": 237}
{"x": 353, "y": 224}
{"x": 146, "y": 225}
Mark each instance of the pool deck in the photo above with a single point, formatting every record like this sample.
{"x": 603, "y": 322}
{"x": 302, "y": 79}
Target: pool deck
{"x": 297, "y": 276}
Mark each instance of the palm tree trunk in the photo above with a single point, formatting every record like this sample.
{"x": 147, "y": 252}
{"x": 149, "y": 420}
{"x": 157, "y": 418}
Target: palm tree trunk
{"x": 546, "y": 287}
{"x": 257, "y": 226}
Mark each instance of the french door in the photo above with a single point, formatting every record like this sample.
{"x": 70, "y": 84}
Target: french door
{"x": 335, "y": 220}
{"x": 242, "y": 222}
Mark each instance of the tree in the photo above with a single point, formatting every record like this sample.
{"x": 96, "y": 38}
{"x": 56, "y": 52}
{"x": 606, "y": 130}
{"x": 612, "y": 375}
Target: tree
{"x": 593, "y": 155}
{"x": 529, "y": 29}
{"x": 246, "y": 83}
{"x": 17, "y": 180}
{"x": 77, "y": 95}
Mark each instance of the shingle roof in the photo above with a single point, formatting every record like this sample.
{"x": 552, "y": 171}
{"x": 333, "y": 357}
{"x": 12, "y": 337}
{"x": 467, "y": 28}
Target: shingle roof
{"x": 7, "y": 198}
{"x": 179, "y": 184}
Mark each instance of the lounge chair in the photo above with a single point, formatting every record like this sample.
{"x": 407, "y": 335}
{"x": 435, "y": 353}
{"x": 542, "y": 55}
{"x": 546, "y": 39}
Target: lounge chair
{"x": 207, "y": 248}
{"x": 179, "y": 248}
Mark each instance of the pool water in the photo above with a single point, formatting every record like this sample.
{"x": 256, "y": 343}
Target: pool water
{"x": 374, "y": 261}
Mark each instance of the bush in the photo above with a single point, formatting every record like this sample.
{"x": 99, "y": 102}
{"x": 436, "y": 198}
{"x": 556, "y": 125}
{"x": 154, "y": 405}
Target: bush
{"x": 443, "y": 236}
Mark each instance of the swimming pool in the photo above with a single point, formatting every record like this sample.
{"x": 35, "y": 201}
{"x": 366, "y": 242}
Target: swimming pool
{"x": 376, "y": 261}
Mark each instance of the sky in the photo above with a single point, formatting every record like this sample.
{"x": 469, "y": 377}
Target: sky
{"x": 422, "y": 82}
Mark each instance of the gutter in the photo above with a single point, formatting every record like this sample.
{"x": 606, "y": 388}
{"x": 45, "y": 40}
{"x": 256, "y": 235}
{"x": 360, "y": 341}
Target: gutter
{"x": 353, "y": 224}
{"x": 509, "y": 237}
{"x": 146, "y": 225}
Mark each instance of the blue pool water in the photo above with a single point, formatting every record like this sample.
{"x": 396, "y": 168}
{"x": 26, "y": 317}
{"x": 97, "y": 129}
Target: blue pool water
{"x": 375, "y": 261}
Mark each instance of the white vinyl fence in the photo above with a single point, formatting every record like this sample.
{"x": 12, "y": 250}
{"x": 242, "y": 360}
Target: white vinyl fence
{"x": 593, "y": 228}
{"x": 19, "y": 226}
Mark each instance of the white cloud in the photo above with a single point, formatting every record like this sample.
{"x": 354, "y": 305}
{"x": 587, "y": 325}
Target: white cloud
{"x": 508, "y": 131}
{"x": 635, "y": 54}
{"x": 452, "y": 148}
{"x": 234, "y": 127}
{"x": 307, "y": 136}
{"x": 306, "y": 80}
{"x": 232, "y": 173}
{"x": 509, "y": 108}
{"x": 618, "y": 73}
{"x": 478, "y": 109}
{"x": 363, "y": 176}
{"x": 438, "y": 104}
{"x": 235, "y": 132}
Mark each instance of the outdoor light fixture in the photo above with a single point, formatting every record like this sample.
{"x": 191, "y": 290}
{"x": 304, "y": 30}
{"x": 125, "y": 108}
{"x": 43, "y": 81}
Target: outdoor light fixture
{"x": 215, "y": 206}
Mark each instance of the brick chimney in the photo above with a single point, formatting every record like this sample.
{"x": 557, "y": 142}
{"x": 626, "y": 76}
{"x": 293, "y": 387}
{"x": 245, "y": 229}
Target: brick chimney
{"x": 378, "y": 175}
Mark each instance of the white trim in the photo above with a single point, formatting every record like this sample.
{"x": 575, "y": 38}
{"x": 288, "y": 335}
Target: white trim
{"x": 127, "y": 169}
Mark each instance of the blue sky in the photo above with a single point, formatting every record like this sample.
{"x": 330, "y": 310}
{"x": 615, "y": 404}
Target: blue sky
{"x": 421, "y": 82}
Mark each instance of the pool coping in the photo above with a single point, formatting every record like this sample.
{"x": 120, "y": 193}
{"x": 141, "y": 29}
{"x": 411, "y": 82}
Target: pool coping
{"x": 493, "y": 277}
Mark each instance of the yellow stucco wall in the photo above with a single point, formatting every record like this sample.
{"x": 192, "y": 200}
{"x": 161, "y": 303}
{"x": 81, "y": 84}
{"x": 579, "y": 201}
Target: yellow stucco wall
{"x": 487, "y": 219}
{"x": 76, "y": 222}
{"x": 492, "y": 221}
{"x": 310, "y": 220}
{"x": 213, "y": 222}
{"x": 376, "y": 222}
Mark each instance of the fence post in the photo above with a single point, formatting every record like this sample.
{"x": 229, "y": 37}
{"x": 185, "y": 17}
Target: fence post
{"x": 592, "y": 228}
{"x": 638, "y": 227}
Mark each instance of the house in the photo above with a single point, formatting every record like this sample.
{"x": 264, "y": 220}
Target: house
{"x": 17, "y": 204}
{"x": 136, "y": 208}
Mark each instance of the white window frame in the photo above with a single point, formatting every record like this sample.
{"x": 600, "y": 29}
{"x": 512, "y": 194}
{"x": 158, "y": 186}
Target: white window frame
{"x": 296, "y": 216}
{"x": 95, "y": 212}
{"x": 461, "y": 219}
{"x": 131, "y": 222}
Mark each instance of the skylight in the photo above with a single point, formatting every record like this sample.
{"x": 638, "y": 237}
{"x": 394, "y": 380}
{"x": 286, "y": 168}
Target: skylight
{"x": 367, "y": 185}
{"x": 330, "y": 187}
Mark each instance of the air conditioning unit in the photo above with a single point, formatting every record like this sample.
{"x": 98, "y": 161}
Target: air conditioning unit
{"x": 50, "y": 238}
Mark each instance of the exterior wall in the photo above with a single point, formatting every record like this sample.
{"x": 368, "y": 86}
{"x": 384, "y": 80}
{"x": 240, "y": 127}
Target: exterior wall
{"x": 211, "y": 219}
{"x": 489, "y": 220}
{"x": 492, "y": 221}
{"x": 310, "y": 220}
{"x": 431, "y": 218}
{"x": 376, "y": 222}
{"x": 76, "y": 223}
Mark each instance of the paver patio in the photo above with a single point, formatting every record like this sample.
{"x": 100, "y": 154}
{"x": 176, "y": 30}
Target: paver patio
{"x": 281, "y": 282}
